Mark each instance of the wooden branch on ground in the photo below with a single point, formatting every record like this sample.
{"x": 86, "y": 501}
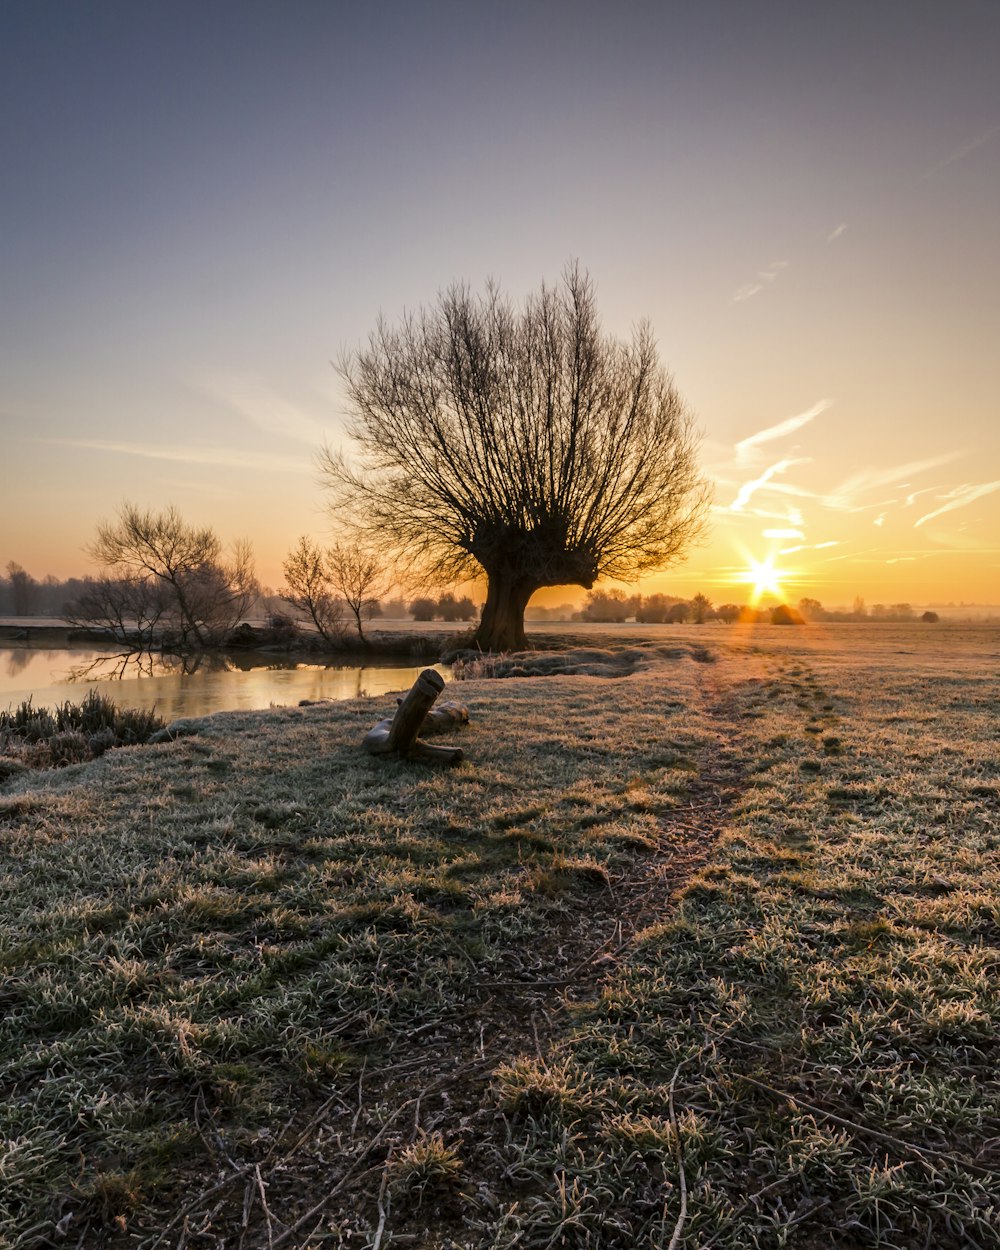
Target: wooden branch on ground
{"x": 398, "y": 734}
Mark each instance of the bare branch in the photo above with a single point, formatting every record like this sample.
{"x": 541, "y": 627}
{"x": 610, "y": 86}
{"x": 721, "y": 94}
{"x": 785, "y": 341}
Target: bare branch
{"x": 162, "y": 572}
{"x": 525, "y": 443}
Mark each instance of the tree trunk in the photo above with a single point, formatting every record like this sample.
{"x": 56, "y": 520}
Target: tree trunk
{"x": 399, "y": 734}
{"x": 502, "y": 624}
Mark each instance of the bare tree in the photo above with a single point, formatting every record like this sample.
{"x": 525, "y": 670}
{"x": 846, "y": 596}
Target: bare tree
{"x": 307, "y": 588}
{"x": 206, "y": 595}
{"x": 131, "y": 607}
{"x": 452, "y": 609}
{"x": 361, "y": 578}
{"x": 23, "y": 589}
{"x": 653, "y": 609}
{"x": 523, "y": 443}
{"x": 701, "y": 608}
{"x": 609, "y": 605}
{"x": 423, "y": 609}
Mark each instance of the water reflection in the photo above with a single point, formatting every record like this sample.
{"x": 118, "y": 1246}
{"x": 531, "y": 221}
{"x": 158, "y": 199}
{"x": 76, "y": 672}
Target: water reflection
{"x": 17, "y": 661}
{"x": 135, "y": 664}
{"x": 191, "y": 686}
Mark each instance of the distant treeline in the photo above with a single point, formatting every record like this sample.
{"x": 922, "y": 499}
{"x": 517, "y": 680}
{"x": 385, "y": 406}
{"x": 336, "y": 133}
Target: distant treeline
{"x": 21, "y": 594}
{"x": 615, "y": 607}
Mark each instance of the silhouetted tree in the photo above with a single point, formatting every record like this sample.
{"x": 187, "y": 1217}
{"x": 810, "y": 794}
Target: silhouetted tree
{"x": 451, "y": 609}
{"x": 131, "y": 607}
{"x": 423, "y": 609}
{"x": 205, "y": 596}
{"x": 23, "y": 589}
{"x": 931, "y": 618}
{"x": 701, "y": 609}
{"x": 523, "y": 443}
{"x": 360, "y": 577}
{"x": 811, "y": 609}
{"x": 728, "y": 612}
{"x": 609, "y": 606}
{"x": 307, "y": 588}
{"x": 653, "y": 609}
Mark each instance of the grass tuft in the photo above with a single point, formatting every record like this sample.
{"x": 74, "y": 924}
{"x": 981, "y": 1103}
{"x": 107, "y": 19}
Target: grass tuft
{"x": 71, "y": 733}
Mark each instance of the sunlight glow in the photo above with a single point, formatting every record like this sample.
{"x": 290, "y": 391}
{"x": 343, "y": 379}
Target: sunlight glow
{"x": 764, "y": 578}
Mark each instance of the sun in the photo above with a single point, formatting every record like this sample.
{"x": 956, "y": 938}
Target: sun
{"x": 764, "y": 578}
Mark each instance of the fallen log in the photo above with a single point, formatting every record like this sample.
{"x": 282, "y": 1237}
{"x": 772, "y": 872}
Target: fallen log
{"x": 447, "y": 715}
{"x": 398, "y": 734}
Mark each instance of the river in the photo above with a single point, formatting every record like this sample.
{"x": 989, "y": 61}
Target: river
{"x": 177, "y": 687}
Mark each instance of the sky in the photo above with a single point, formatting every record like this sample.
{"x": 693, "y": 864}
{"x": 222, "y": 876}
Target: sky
{"x": 204, "y": 205}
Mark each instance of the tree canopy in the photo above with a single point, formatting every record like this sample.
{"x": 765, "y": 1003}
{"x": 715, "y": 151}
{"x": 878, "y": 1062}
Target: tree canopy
{"x": 523, "y": 443}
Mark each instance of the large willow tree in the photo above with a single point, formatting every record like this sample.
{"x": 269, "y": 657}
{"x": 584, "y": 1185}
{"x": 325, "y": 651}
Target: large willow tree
{"x": 522, "y": 443}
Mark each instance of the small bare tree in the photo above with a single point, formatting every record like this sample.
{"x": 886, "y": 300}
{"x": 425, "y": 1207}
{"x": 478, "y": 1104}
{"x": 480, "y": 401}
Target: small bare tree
{"x": 131, "y": 608}
{"x": 361, "y": 578}
{"x": 307, "y": 588}
{"x": 205, "y": 595}
{"x": 523, "y": 443}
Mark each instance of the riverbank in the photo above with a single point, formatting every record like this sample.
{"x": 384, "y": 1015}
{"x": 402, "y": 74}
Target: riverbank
{"x": 400, "y": 641}
{"x": 717, "y": 936}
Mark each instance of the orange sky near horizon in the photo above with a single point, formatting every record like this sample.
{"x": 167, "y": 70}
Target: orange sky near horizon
{"x": 920, "y": 528}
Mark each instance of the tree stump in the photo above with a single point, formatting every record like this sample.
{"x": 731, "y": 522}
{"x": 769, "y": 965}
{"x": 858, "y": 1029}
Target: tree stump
{"x": 397, "y": 735}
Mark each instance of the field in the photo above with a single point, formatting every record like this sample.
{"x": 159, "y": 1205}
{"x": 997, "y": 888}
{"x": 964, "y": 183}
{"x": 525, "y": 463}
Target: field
{"x": 701, "y": 950}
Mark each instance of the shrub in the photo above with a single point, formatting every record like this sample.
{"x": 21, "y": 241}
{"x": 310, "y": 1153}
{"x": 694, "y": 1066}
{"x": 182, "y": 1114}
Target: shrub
{"x": 74, "y": 732}
{"x": 423, "y": 609}
{"x": 784, "y": 615}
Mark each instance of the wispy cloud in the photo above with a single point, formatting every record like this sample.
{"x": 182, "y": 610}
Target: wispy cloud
{"x": 776, "y": 533}
{"x": 765, "y": 277}
{"x": 912, "y": 498}
{"x": 962, "y": 151}
{"x": 880, "y": 519}
{"x": 263, "y": 407}
{"x": 836, "y": 232}
{"x": 226, "y": 456}
{"x": 787, "y": 551}
{"x": 786, "y": 488}
{"x": 748, "y": 489}
{"x": 746, "y": 446}
{"x": 960, "y": 497}
{"x": 845, "y": 497}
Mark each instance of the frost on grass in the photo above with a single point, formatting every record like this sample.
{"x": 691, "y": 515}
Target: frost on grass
{"x": 205, "y": 942}
{"x": 826, "y": 995}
